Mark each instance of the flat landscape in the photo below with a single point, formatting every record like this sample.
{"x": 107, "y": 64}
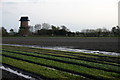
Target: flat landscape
{"x": 60, "y": 40}
{"x": 60, "y": 65}
{"x": 103, "y": 44}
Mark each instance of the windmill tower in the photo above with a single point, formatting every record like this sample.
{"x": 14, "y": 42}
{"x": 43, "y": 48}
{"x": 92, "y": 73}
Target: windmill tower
{"x": 24, "y": 28}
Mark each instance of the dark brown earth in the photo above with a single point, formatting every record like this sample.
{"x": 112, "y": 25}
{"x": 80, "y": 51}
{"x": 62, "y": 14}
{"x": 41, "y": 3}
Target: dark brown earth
{"x": 103, "y": 44}
{"x": 10, "y": 76}
{"x": 6, "y": 75}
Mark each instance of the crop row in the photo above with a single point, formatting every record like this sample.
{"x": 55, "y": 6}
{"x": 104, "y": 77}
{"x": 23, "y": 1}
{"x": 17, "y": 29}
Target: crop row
{"x": 87, "y": 72}
{"x": 43, "y": 72}
{"x": 67, "y": 56}
{"x": 83, "y": 56}
{"x": 58, "y": 51}
{"x": 105, "y": 67}
{"x": 79, "y": 55}
{"x": 65, "y": 52}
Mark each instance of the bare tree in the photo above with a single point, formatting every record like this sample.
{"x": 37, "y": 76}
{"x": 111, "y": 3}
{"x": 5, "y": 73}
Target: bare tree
{"x": 37, "y": 27}
{"x": 31, "y": 28}
{"x": 45, "y": 26}
{"x": 4, "y": 31}
{"x": 64, "y": 28}
{"x": 12, "y": 32}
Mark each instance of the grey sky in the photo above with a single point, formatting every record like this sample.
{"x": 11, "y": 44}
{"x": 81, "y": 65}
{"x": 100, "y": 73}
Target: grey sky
{"x": 75, "y": 14}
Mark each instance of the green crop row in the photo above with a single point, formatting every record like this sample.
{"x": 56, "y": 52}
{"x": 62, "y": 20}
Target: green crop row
{"x": 40, "y": 70}
{"x": 84, "y": 56}
{"x": 74, "y": 61}
{"x": 75, "y": 68}
{"x": 49, "y": 50}
{"x": 69, "y": 56}
{"x": 105, "y": 59}
{"x": 0, "y": 58}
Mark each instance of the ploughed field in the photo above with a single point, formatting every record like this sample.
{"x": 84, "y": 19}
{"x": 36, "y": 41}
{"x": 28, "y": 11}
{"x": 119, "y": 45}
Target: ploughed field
{"x": 61, "y": 65}
{"x": 103, "y": 44}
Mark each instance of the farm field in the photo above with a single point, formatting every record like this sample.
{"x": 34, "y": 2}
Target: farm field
{"x": 91, "y": 43}
{"x": 61, "y": 65}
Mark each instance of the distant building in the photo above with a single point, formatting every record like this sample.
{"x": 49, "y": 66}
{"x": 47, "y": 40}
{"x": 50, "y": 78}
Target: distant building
{"x": 24, "y": 28}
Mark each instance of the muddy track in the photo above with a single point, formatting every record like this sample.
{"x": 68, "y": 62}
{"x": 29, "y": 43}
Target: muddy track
{"x": 11, "y": 76}
{"x": 33, "y": 75}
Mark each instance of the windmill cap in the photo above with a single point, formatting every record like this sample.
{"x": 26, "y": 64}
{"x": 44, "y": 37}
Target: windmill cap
{"x": 24, "y": 19}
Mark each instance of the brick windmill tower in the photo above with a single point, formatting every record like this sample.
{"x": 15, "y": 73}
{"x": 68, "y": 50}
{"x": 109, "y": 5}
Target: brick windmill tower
{"x": 24, "y": 28}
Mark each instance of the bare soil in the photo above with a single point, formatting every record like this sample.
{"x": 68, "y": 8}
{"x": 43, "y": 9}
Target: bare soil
{"x": 103, "y": 44}
{"x": 10, "y": 76}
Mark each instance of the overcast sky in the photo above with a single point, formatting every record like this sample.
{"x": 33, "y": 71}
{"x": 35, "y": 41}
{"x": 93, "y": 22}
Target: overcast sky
{"x": 75, "y": 14}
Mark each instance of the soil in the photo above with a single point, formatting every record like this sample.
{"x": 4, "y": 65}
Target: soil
{"x": 102, "y": 44}
{"x": 10, "y": 76}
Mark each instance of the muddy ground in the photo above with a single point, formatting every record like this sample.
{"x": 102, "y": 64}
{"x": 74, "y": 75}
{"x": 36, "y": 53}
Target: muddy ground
{"x": 103, "y": 44}
{"x": 10, "y": 76}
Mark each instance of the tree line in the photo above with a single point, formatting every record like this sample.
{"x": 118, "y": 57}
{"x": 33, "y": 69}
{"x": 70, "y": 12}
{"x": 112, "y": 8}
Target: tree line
{"x": 46, "y": 29}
